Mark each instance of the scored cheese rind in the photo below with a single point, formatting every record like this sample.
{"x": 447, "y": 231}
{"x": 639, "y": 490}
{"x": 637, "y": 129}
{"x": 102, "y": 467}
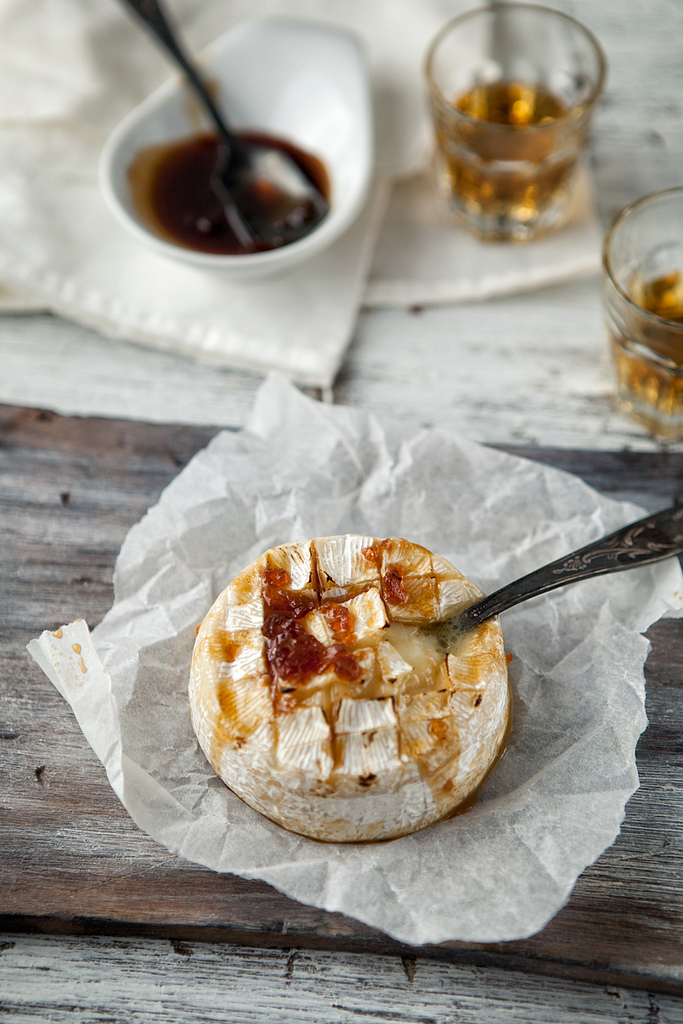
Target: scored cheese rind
{"x": 398, "y": 743}
{"x": 297, "y": 560}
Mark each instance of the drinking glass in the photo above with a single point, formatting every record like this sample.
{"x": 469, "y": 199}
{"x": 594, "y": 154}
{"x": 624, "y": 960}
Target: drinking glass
{"x": 643, "y": 301}
{"x": 512, "y": 87}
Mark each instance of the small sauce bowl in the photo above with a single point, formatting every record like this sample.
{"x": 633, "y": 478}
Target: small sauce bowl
{"x": 304, "y": 82}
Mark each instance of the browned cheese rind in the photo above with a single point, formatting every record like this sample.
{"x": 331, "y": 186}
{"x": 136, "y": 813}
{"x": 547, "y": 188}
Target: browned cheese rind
{"x": 387, "y": 734}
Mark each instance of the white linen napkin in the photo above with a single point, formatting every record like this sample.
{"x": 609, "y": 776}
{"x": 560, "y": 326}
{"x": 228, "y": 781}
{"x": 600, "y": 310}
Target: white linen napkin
{"x": 70, "y": 71}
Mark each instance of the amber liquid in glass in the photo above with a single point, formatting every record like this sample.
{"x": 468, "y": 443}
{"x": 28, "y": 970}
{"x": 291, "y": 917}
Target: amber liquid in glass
{"x": 511, "y": 103}
{"x": 652, "y": 389}
{"x": 661, "y": 295}
{"x": 506, "y": 176}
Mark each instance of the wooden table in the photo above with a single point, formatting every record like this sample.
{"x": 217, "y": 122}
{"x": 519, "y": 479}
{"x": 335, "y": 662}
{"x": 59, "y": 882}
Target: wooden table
{"x": 101, "y": 923}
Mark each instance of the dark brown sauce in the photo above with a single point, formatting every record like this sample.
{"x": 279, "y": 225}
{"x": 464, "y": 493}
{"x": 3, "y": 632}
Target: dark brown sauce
{"x": 171, "y": 190}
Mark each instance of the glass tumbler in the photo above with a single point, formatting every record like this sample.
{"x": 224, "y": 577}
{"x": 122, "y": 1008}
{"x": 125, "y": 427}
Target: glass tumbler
{"x": 512, "y": 88}
{"x": 643, "y": 302}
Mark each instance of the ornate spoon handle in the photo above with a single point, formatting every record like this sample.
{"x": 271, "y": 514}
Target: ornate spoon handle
{"x": 651, "y": 539}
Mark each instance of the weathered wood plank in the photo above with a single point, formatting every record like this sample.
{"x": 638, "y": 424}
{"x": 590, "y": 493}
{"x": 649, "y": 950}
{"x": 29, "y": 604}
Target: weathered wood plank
{"x": 137, "y": 980}
{"x": 72, "y": 859}
{"x": 526, "y": 371}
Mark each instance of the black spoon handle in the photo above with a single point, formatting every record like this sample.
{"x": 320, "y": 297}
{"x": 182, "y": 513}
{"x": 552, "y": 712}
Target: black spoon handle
{"x": 154, "y": 16}
{"x": 649, "y": 540}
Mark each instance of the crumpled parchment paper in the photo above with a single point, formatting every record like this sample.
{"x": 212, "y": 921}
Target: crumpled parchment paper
{"x": 303, "y": 469}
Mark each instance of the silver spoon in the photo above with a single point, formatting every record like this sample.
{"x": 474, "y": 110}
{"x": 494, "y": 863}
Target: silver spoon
{"x": 652, "y": 539}
{"x": 244, "y": 166}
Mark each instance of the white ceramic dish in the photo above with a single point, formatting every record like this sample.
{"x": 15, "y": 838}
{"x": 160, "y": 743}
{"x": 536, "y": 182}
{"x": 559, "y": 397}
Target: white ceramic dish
{"x": 304, "y": 82}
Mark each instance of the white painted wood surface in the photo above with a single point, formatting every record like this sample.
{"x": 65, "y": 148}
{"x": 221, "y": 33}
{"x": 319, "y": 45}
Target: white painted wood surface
{"x": 527, "y": 369}
{"x": 517, "y": 370}
{"x": 135, "y": 980}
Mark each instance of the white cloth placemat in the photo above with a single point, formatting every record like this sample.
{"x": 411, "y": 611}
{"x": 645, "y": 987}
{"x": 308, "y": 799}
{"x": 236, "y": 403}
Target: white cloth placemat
{"x": 424, "y": 257}
{"x": 69, "y": 72}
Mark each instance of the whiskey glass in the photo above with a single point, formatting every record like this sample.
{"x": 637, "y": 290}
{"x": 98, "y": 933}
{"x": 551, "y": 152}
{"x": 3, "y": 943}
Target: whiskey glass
{"x": 512, "y": 88}
{"x": 642, "y": 292}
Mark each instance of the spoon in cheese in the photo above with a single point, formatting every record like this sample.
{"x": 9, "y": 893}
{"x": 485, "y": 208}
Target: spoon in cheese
{"x": 648, "y": 540}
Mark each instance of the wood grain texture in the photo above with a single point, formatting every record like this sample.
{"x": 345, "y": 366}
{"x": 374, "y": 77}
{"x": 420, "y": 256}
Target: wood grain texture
{"x": 73, "y": 860}
{"x": 521, "y": 370}
{"x": 137, "y": 980}
{"x": 524, "y": 371}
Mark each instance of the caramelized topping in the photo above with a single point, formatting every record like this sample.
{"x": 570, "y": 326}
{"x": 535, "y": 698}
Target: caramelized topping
{"x": 230, "y": 649}
{"x": 278, "y": 599}
{"x": 438, "y": 727}
{"x": 291, "y": 652}
{"x": 221, "y": 645}
{"x": 344, "y": 663}
{"x": 394, "y": 588}
{"x": 339, "y": 619}
{"x": 295, "y": 655}
{"x": 371, "y": 554}
{"x": 276, "y": 577}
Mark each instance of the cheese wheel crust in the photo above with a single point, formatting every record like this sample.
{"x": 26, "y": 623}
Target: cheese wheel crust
{"x": 321, "y": 699}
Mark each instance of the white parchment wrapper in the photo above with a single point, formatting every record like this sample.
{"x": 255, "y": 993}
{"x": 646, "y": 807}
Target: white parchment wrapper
{"x": 303, "y": 469}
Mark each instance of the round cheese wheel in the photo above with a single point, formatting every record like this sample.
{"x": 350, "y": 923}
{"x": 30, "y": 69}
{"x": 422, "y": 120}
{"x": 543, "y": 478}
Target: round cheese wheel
{"x": 322, "y": 698}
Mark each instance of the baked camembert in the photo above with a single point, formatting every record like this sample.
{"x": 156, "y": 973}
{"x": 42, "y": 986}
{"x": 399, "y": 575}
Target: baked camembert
{"x": 321, "y": 697}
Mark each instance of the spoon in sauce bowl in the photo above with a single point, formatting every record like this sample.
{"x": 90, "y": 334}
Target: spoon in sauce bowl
{"x": 265, "y": 193}
{"x": 648, "y": 540}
